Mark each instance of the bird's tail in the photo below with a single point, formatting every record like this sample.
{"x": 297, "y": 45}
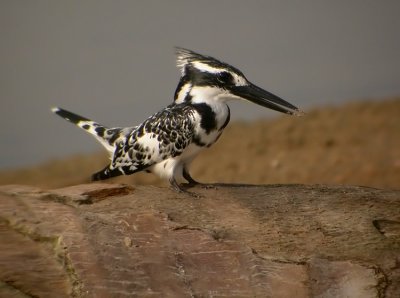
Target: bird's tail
{"x": 103, "y": 134}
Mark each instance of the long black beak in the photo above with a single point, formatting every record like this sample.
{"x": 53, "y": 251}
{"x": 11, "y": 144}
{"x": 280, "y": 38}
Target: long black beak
{"x": 266, "y": 99}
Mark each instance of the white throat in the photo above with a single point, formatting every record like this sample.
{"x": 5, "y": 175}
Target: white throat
{"x": 209, "y": 95}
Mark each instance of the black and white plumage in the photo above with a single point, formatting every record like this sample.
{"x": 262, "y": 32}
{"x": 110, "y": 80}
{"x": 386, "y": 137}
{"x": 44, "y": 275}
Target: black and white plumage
{"x": 167, "y": 142}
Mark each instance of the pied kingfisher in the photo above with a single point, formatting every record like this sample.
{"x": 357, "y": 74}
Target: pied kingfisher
{"x": 167, "y": 142}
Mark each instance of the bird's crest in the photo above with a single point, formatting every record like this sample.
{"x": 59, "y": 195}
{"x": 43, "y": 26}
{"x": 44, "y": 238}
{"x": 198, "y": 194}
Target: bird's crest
{"x": 186, "y": 58}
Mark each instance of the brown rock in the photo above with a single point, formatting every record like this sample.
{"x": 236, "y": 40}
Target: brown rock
{"x": 105, "y": 240}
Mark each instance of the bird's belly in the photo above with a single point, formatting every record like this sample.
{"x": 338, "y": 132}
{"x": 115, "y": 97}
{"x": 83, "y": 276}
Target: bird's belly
{"x": 173, "y": 166}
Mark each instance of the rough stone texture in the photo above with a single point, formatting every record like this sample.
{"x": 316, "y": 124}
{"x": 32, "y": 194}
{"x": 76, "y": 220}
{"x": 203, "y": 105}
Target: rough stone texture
{"x": 105, "y": 240}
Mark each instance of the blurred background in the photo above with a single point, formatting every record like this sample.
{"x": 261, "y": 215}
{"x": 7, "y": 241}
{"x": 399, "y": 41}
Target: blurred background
{"x": 114, "y": 62}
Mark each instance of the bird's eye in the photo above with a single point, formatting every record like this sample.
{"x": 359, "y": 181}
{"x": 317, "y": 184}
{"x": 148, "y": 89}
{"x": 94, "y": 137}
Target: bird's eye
{"x": 226, "y": 78}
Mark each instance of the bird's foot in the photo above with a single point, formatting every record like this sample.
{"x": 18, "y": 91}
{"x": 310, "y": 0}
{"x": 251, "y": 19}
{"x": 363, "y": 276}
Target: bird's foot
{"x": 179, "y": 189}
{"x": 208, "y": 186}
{"x": 201, "y": 185}
{"x": 189, "y": 193}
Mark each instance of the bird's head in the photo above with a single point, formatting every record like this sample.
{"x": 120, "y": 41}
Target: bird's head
{"x": 206, "y": 79}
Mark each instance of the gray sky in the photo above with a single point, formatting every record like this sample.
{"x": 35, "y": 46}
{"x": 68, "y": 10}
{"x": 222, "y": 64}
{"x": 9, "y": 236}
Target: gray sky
{"x": 113, "y": 61}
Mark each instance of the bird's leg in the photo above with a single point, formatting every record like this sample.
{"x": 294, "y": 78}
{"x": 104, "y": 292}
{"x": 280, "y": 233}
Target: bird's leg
{"x": 193, "y": 182}
{"x": 189, "y": 178}
{"x": 175, "y": 186}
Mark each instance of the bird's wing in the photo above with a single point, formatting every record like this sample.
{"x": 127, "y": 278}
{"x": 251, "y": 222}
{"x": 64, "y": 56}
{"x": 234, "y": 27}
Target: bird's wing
{"x": 163, "y": 135}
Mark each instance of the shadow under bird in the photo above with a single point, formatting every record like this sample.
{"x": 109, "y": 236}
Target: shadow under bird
{"x": 168, "y": 141}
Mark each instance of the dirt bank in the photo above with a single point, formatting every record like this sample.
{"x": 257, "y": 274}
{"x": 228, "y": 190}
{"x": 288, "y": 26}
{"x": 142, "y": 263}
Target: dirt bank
{"x": 354, "y": 144}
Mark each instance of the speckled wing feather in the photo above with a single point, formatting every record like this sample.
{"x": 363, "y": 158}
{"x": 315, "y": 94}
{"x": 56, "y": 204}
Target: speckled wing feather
{"x": 165, "y": 134}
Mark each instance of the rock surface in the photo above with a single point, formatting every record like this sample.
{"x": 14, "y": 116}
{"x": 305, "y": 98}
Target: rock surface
{"x": 110, "y": 240}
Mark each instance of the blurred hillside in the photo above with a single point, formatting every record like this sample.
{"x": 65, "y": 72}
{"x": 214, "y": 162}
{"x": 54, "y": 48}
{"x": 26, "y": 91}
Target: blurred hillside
{"x": 357, "y": 144}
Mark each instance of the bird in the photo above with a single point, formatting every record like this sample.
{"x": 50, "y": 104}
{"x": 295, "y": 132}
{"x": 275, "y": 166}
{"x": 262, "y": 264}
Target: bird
{"x": 167, "y": 142}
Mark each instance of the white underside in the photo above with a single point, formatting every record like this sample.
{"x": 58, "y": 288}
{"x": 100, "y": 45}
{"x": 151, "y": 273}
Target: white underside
{"x": 173, "y": 167}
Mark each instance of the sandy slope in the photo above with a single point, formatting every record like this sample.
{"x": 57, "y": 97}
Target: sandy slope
{"x": 358, "y": 144}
